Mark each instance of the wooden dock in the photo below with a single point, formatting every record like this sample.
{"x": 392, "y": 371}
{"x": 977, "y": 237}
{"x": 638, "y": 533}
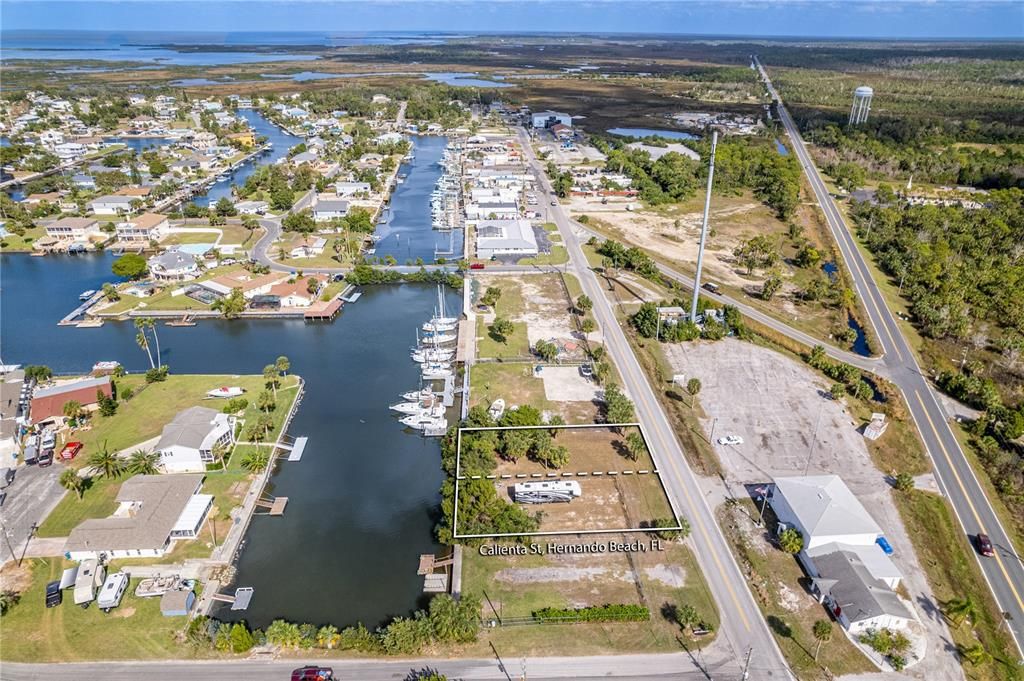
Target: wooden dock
{"x": 73, "y": 317}
{"x": 434, "y": 582}
{"x": 274, "y": 505}
{"x": 324, "y": 314}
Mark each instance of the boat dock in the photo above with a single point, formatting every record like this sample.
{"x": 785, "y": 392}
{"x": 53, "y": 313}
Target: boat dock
{"x": 350, "y": 294}
{"x": 295, "y": 449}
{"x": 274, "y": 505}
{"x": 325, "y": 313}
{"x": 74, "y": 317}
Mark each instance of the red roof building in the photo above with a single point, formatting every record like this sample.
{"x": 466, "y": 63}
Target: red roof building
{"x": 49, "y": 402}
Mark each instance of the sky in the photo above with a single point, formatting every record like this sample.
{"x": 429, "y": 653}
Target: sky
{"x": 990, "y": 19}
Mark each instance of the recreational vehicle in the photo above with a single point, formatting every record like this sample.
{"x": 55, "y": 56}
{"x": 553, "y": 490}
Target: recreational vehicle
{"x": 90, "y": 578}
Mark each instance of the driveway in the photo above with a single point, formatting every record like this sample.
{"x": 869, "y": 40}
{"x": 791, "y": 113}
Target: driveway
{"x": 30, "y": 498}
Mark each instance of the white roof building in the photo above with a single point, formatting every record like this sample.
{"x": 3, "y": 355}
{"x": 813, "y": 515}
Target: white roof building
{"x": 505, "y": 237}
{"x": 823, "y": 509}
{"x": 187, "y": 442}
{"x": 173, "y": 265}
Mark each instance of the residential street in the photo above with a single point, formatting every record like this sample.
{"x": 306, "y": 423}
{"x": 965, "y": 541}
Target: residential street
{"x": 30, "y": 498}
{"x": 1005, "y": 571}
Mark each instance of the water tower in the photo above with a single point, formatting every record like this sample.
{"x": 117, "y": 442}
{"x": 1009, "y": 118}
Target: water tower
{"x": 861, "y": 105}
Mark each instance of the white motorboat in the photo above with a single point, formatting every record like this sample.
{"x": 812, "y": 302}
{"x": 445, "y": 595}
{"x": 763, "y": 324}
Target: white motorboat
{"x": 226, "y": 392}
{"x": 418, "y": 395}
{"x": 497, "y": 409}
{"x": 431, "y": 408}
{"x": 423, "y": 422}
{"x": 86, "y": 295}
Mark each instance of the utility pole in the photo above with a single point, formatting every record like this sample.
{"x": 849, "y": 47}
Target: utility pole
{"x": 746, "y": 664}
{"x": 703, "y": 230}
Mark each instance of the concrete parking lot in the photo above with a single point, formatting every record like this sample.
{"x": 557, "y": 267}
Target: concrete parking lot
{"x": 30, "y": 498}
{"x": 791, "y": 426}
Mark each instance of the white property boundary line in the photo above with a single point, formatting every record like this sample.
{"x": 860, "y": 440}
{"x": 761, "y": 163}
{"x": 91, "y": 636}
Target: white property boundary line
{"x": 628, "y": 530}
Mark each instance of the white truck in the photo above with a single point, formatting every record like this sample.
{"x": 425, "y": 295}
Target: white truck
{"x": 112, "y": 591}
{"x": 89, "y": 579}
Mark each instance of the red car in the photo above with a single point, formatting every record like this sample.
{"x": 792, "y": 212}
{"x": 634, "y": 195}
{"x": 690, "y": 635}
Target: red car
{"x": 476, "y": 266}
{"x": 71, "y": 450}
{"x": 313, "y": 674}
{"x": 984, "y": 545}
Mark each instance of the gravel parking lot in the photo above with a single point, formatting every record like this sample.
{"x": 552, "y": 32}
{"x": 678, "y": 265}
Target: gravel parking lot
{"x": 30, "y": 498}
{"x": 791, "y": 426}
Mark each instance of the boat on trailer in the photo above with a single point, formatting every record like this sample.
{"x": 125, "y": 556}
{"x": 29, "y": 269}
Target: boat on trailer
{"x": 226, "y": 392}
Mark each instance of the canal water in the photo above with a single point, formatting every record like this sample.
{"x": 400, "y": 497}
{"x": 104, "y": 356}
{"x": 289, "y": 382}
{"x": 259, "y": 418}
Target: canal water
{"x": 408, "y": 233}
{"x": 282, "y": 141}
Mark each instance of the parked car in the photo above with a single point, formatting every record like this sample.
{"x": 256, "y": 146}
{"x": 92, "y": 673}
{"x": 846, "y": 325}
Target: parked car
{"x": 554, "y": 202}
{"x": 31, "y": 455}
{"x": 586, "y": 371}
{"x": 884, "y": 544}
{"x": 70, "y": 450}
{"x": 984, "y": 545}
{"x": 311, "y": 673}
{"x": 49, "y": 440}
{"x": 46, "y": 458}
{"x": 476, "y": 266}
{"x": 730, "y": 440}
{"x": 54, "y": 596}
{"x": 710, "y": 287}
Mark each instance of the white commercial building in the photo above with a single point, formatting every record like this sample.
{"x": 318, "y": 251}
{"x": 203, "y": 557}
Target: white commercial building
{"x": 545, "y": 119}
{"x": 505, "y": 237}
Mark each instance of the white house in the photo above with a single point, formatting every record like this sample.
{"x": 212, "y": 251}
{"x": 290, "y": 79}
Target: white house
{"x": 252, "y": 207}
{"x": 204, "y": 140}
{"x": 146, "y": 227}
{"x": 309, "y": 247}
{"x": 546, "y": 119}
{"x": 347, "y": 189}
{"x": 187, "y": 443}
{"x": 329, "y": 209}
{"x": 505, "y": 237}
{"x": 112, "y": 204}
{"x": 823, "y": 509}
{"x": 79, "y": 229}
{"x": 154, "y": 511}
{"x": 173, "y": 265}
{"x": 69, "y": 150}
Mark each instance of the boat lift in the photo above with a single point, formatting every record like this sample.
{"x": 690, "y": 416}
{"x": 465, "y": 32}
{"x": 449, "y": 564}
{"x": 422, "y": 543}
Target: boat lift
{"x": 239, "y": 601}
{"x": 433, "y": 582}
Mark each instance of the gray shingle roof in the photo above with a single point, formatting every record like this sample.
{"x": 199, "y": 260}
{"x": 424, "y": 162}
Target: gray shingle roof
{"x": 188, "y": 428}
{"x": 845, "y": 577}
{"x": 159, "y": 501}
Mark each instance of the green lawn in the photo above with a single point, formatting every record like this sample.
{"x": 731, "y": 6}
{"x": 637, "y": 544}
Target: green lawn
{"x": 12, "y": 242}
{"x": 557, "y": 256}
{"x": 98, "y": 501}
{"x": 67, "y": 633}
{"x": 516, "y": 345}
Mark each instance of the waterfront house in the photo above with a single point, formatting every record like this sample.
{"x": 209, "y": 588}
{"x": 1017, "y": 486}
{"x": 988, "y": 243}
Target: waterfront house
{"x": 250, "y": 284}
{"x": 308, "y": 248}
{"x": 246, "y": 139}
{"x": 204, "y": 140}
{"x": 134, "y": 192}
{"x": 48, "y": 403}
{"x": 345, "y": 190}
{"x": 146, "y": 227}
{"x": 153, "y": 512}
{"x": 304, "y": 157}
{"x": 389, "y": 138}
{"x": 46, "y": 197}
{"x": 329, "y": 209}
{"x": 252, "y": 207}
{"x": 505, "y": 237}
{"x": 296, "y": 293}
{"x": 173, "y": 265}
{"x": 77, "y": 229}
{"x": 112, "y": 204}
{"x": 69, "y": 151}
{"x": 188, "y": 442}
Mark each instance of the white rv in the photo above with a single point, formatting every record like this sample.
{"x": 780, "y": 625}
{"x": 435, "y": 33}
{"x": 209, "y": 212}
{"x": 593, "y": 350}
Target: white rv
{"x": 89, "y": 579}
{"x": 112, "y": 591}
{"x": 547, "y": 492}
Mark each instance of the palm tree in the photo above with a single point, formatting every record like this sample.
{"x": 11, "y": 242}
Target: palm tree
{"x": 143, "y": 462}
{"x": 327, "y": 636}
{"x": 271, "y": 378}
{"x": 822, "y": 633}
{"x": 283, "y": 364}
{"x": 960, "y": 610}
{"x": 635, "y": 445}
{"x": 220, "y": 450}
{"x": 143, "y": 342}
{"x": 256, "y": 461}
{"x": 106, "y": 462}
{"x": 266, "y": 402}
{"x": 71, "y": 481}
{"x": 72, "y": 409}
{"x": 976, "y": 654}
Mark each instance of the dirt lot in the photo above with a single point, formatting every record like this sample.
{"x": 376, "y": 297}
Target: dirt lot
{"x": 567, "y": 384}
{"x": 590, "y": 450}
{"x": 791, "y": 427}
{"x": 542, "y": 304}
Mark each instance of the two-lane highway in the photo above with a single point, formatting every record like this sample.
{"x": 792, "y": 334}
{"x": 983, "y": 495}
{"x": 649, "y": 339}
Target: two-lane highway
{"x": 742, "y": 627}
{"x": 1005, "y": 571}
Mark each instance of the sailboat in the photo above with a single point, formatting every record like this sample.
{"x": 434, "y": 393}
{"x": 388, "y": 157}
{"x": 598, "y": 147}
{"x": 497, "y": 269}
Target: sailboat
{"x": 435, "y": 370}
{"x": 439, "y": 322}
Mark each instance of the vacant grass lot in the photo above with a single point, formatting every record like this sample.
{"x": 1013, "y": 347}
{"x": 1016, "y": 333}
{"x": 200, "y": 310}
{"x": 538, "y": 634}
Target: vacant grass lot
{"x": 514, "y": 346}
{"x": 516, "y": 384}
{"x": 12, "y": 243}
{"x": 516, "y": 586}
{"x": 67, "y": 633}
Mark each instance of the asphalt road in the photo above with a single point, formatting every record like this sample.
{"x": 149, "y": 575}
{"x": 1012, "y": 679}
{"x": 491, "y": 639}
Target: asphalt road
{"x": 635, "y": 667}
{"x": 1005, "y": 571}
{"x": 30, "y": 498}
{"x": 742, "y": 626}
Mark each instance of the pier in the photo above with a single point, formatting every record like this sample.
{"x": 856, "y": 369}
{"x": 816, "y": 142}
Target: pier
{"x": 73, "y": 318}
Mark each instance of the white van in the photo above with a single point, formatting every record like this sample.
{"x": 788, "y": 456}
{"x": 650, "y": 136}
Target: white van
{"x": 112, "y": 591}
{"x": 89, "y": 579}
